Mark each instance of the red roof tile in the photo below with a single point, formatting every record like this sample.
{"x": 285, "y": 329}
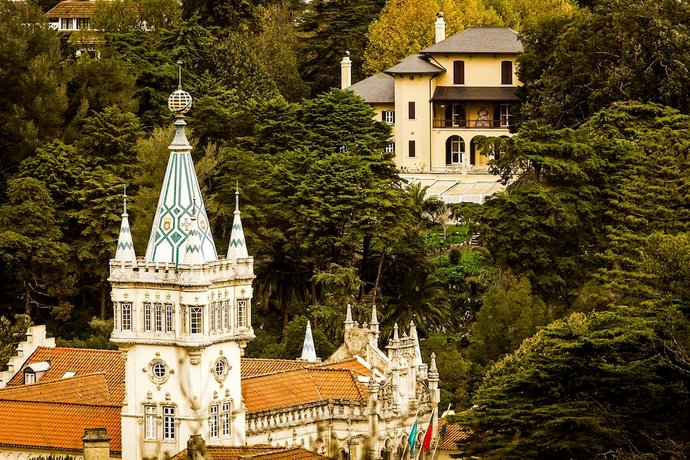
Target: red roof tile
{"x": 256, "y": 452}
{"x": 82, "y": 361}
{"x": 85, "y": 389}
{"x": 454, "y": 433}
{"x": 56, "y": 425}
{"x": 72, "y": 9}
{"x": 300, "y": 386}
{"x": 252, "y": 367}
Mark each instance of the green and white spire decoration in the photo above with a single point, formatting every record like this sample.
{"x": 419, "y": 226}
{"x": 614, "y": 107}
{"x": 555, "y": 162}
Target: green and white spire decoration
{"x": 192, "y": 252}
{"x": 237, "y": 248}
{"x": 308, "y": 349}
{"x": 125, "y": 246}
{"x": 176, "y": 209}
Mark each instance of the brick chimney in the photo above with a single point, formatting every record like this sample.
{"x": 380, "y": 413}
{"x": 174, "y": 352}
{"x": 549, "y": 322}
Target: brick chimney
{"x": 96, "y": 444}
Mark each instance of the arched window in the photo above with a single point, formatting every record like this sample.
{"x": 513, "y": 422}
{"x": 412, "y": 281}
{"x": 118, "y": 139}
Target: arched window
{"x": 455, "y": 150}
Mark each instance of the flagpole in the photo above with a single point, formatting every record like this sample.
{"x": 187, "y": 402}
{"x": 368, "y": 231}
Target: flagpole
{"x": 438, "y": 438}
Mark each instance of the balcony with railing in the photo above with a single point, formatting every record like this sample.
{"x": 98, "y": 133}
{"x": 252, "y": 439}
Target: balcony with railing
{"x": 479, "y": 123}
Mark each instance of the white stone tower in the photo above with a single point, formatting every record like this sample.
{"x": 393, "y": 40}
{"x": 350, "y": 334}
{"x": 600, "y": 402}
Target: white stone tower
{"x": 182, "y": 319}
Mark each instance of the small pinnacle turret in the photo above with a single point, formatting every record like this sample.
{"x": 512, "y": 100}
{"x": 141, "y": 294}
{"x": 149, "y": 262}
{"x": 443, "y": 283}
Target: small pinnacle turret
{"x": 125, "y": 246}
{"x": 349, "y": 324}
{"x": 237, "y": 248}
{"x": 417, "y": 350}
{"x": 308, "y": 348}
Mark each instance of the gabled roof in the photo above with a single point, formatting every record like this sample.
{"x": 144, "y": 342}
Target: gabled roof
{"x": 255, "y": 452}
{"x": 377, "y": 89}
{"x": 415, "y": 64}
{"x": 85, "y": 389}
{"x": 352, "y": 364}
{"x": 475, "y": 93}
{"x": 56, "y": 425}
{"x": 72, "y": 9}
{"x": 83, "y": 361}
{"x": 479, "y": 40}
{"x": 301, "y": 386}
{"x": 452, "y": 435}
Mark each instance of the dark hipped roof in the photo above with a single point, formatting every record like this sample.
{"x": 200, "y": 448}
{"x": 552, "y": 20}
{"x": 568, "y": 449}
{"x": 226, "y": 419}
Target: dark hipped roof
{"x": 474, "y": 93}
{"x": 377, "y": 89}
{"x": 418, "y": 64}
{"x": 479, "y": 40}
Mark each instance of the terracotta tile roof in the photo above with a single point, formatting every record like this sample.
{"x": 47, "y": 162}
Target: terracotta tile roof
{"x": 352, "y": 364}
{"x": 454, "y": 433}
{"x": 85, "y": 389}
{"x": 56, "y": 425}
{"x": 82, "y": 361}
{"x": 256, "y": 452}
{"x": 252, "y": 367}
{"x": 72, "y": 9}
{"x": 300, "y": 386}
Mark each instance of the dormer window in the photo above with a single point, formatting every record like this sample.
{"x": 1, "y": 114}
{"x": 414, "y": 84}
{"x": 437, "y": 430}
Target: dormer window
{"x": 29, "y": 377}
{"x": 33, "y": 372}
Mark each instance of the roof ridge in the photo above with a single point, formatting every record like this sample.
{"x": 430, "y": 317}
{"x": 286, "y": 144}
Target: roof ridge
{"x": 49, "y": 382}
{"x": 54, "y": 403}
{"x": 301, "y": 369}
{"x": 316, "y": 385}
{"x": 99, "y": 350}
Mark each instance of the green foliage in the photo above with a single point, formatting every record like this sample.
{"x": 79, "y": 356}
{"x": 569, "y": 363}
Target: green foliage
{"x": 453, "y": 369}
{"x": 589, "y": 385}
{"x": 97, "y": 335}
{"x": 30, "y": 245}
{"x": 510, "y": 313}
{"x": 11, "y": 333}
{"x": 620, "y": 51}
{"x": 33, "y": 99}
{"x": 329, "y": 28}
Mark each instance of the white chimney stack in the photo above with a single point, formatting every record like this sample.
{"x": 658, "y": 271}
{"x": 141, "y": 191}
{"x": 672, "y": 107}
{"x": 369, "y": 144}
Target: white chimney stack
{"x": 346, "y": 71}
{"x": 440, "y": 28}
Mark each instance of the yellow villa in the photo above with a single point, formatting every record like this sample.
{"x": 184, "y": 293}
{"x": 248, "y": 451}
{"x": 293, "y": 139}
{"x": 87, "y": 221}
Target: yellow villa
{"x": 440, "y": 100}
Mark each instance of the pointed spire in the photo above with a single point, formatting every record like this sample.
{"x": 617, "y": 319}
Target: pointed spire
{"x": 192, "y": 252}
{"x": 395, "y": 332}
{"x": 125, "y": 246}
{"x": 432, "y": 365}
{"x": 173, "y": 219}
{"x": 348, "y": 318}
{"x": 308, "y": 349}
{"x": 417, "y": 351}
{"x": 237, "y": 249}
{"x": 374, "y": 327}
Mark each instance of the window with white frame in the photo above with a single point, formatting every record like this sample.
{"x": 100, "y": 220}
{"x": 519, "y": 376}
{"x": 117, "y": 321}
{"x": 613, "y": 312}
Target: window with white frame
{"x": 29, "y": 377}
{"x": 226, "y": 315}
{"x": 168, "y": 422}
{"x": 219, "y": 313}
{"x": 147, "y": 316}
{"x": 149, "y": 422}
{"x": 83, "y": 23}
{"x": 241, "y": 312}
{"x": 390, "y": 148}
{"x": 159, "y": 317}
{"x": 505, "y": 115}
{"x": 388, "y": 116}
{"x": 66, "y": 23}
{"x": 225, "y": 419}
{"x": 213, "y": 421}
{"x": 169, "y": 317}
{"x": 196, "y": 318}
{"x": 126, "y": 316}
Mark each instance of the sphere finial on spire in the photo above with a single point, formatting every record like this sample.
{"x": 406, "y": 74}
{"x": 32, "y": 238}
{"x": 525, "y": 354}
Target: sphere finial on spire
{"x": 179, "y": 101}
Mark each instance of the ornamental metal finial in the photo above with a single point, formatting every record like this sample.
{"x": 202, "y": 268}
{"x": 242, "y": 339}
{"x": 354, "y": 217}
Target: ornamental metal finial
{"x": 179, "y": 101}
{"x": 124, "y": 199}
{"x": 237, "y": 195}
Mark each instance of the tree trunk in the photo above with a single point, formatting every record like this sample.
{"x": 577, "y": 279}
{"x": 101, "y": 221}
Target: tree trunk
{"x": 378, "y": 278}
{"x": 27, "y": 299}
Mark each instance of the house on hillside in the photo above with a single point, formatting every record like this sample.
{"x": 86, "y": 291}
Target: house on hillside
{"x": 178, "y": 381}
{"x": 440, "y": 100}
{"x": 74, "y": 17}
